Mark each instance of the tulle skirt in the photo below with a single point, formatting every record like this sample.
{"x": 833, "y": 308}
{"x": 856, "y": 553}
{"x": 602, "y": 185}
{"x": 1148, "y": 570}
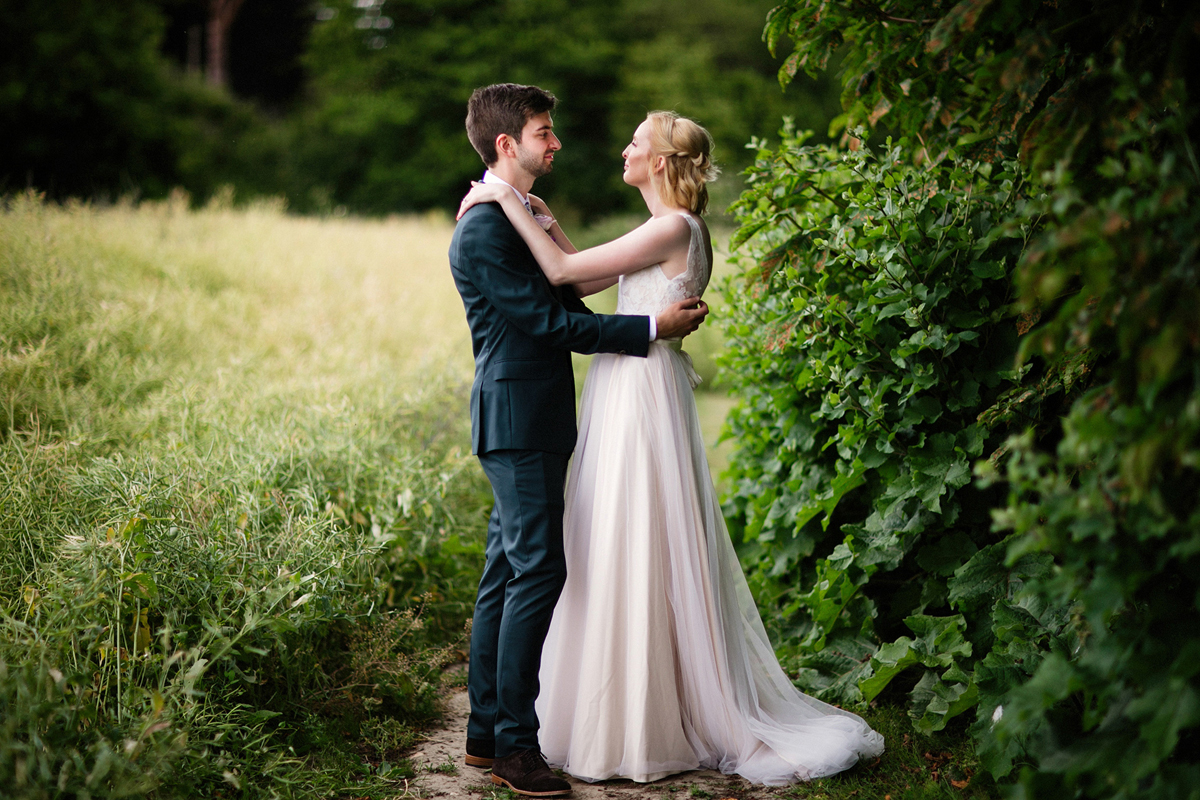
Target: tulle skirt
{"x": 657, "y": 661}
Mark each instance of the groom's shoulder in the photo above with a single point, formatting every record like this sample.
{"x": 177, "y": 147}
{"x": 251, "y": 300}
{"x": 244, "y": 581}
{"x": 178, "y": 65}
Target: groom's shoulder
{"x": 482, "y": 223}
{"x": 483, "y": 215}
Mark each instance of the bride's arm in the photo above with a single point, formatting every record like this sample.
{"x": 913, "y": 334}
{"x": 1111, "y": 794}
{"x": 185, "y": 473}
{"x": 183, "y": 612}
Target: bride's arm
{"x": 560, "y": 238}
{"x": 651, "y": 243}
{"x": 555, "y": 230}
{"x": 592, "y": 287}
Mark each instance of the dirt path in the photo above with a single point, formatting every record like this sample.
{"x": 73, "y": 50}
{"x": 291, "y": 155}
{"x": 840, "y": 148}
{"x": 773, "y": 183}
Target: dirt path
{"x": 444, "y": 747}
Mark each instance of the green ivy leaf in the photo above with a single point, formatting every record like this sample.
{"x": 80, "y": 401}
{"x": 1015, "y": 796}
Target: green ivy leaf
{"x": 981, "y": 577}
{"x": 938, "y": 642}
{"x": 935, "y": 702}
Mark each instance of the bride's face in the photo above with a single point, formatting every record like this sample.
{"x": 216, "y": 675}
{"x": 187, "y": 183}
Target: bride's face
{"x": 637, "y": 157}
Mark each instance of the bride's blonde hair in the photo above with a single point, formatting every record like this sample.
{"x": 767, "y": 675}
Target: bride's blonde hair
{"x": 687, "y": 151}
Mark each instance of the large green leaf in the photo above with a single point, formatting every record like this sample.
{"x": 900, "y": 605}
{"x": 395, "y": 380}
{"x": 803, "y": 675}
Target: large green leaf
{"x": 934, "y": 702}
{"x": 939, "y": 641}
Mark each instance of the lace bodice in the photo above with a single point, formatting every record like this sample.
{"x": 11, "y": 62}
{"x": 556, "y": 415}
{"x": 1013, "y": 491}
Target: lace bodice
{"x": 648, "y": 291}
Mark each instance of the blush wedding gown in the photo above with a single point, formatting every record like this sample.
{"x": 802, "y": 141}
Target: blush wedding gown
{"x": 657, "y": 661}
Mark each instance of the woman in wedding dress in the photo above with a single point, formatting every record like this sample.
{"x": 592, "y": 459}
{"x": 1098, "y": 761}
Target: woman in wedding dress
{"x": 657, "y": 661}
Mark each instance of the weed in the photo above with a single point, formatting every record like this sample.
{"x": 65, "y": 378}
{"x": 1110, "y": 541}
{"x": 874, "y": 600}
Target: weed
{"x": 387, "y": 736}
{"x": 447, "y": 767}
{"x": 492, "y": 791}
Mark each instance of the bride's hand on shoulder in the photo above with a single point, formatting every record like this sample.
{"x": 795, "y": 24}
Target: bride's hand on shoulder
{"x": 481, "y": 193}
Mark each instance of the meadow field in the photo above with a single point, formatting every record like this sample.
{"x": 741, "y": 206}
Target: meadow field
{"x": 240, "y": 525}
{"x": 239, "y": 520}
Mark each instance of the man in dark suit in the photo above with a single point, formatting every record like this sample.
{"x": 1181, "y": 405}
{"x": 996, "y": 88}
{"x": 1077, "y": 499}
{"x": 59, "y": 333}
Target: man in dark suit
{"x": 523, "y": 428}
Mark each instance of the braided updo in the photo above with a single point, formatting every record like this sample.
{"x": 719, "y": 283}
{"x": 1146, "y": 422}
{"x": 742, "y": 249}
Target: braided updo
{"x": 687, "y": 151}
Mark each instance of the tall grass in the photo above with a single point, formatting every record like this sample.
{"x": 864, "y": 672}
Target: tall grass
{"x": 237, "y": 523}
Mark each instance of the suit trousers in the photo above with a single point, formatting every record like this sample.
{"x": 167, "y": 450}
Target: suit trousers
{"x": 523, "y": 575}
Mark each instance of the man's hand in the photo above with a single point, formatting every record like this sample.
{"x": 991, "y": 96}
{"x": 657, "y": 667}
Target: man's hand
{"x": 681, "y": 318}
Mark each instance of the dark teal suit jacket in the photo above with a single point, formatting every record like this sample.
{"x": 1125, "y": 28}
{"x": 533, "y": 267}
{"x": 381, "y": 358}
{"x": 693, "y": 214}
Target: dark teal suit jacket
{"x": 523, "y": 331}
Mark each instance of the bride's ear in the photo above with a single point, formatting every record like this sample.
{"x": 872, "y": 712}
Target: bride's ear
{"x": 660, "y": 164}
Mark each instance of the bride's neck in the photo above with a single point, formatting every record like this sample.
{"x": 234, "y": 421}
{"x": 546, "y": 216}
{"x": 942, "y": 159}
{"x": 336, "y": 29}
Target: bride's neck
{"x": 655, "y": 204}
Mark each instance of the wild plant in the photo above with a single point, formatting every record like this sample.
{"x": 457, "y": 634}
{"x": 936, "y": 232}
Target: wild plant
{"x": 209, "y": 584}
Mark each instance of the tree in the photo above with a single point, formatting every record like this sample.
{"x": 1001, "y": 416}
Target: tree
{"x": 705, "y": 59}
{"x": 91, "y": 108}
{"x": 221, "y": 14}
{"x": 390, "y": 81}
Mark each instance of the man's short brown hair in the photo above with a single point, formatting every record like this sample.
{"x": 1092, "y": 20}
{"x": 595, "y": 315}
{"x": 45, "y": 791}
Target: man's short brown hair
{"x": 502, "y": 108}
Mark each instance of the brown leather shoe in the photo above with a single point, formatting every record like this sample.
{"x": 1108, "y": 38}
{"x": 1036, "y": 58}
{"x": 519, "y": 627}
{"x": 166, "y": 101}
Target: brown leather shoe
{"x": 527, "y": 774}
{"x": 480, "y": 753}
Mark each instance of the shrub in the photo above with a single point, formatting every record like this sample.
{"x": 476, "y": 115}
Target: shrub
{"x": 1088, "y": 683}
{"x": 872, "y": 327}
{"x": 1116, "y": 500}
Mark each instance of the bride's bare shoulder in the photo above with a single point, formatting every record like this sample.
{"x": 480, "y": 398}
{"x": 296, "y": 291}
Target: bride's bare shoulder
{"x": 671, "y": 226}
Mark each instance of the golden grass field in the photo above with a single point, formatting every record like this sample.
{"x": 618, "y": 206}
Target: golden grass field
{"x": 297, "y": 307}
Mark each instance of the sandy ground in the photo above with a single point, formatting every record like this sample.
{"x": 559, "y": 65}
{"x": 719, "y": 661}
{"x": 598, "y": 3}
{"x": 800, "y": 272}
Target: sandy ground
{"x": 444, "y": 747}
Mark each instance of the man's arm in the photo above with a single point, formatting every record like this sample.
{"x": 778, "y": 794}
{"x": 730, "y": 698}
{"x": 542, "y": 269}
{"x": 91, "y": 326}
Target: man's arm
{"x": 677, "y": 321}
{"x": 493, "y": 255}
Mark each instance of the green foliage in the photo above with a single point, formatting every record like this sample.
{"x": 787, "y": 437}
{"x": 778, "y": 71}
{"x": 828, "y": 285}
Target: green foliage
{"x": 385, "y": 127}
{"x": 44, "y": 754}
{"x": 872, "y": 329}
{"x": 211, "y": 583}
{"x": 222, "y": 147}
{"x": 1082, "y": 669}
{"x": 80, "y": 89}
{"x": 95, "y": 110}
{"x": 708, "y": 64}
{"x": 1117, "y": 499}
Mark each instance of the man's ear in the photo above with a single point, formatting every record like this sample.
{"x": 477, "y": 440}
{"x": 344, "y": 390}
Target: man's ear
{"x": 507, "y": 145}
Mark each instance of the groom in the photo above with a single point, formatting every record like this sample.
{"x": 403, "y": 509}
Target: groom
{"x": 523, "y": 428}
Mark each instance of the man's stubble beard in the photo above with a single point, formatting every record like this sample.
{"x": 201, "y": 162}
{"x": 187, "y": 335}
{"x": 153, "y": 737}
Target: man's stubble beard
{"x": 534, "y": 166}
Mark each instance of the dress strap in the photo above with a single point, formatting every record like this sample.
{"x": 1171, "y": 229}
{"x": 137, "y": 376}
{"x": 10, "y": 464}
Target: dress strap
{"x": 695, "y": 257}
{"x": 697, "y": 240}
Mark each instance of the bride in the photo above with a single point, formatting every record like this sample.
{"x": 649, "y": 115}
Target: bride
{"x": 657, "y": 661}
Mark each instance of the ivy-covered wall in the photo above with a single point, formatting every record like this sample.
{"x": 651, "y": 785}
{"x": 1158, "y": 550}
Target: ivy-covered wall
{"x": 968, "y": 369}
